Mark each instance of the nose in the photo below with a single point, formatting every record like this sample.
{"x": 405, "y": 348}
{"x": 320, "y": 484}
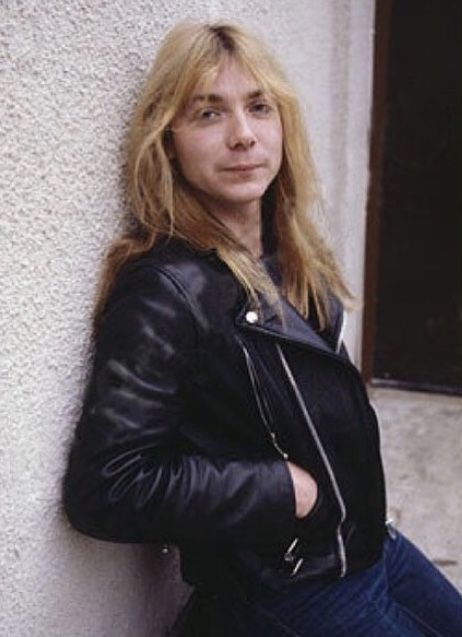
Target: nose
{"x": 241, "y": 134}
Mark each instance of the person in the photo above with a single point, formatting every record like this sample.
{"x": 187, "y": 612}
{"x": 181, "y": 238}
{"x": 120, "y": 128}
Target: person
{"x": 223, "y": 413}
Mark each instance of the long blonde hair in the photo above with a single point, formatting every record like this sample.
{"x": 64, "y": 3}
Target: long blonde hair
{"x": 162, "y": 204}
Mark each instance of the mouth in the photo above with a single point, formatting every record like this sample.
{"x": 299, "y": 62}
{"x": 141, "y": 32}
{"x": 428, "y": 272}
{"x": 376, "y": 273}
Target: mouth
{"x": 239, "y": 168}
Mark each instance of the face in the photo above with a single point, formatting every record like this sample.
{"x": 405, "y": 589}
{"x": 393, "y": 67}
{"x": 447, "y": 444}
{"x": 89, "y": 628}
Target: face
{"x": 228, "y": 141}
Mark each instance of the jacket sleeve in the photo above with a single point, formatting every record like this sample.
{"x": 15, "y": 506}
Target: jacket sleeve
{"x": 127, "y": 478}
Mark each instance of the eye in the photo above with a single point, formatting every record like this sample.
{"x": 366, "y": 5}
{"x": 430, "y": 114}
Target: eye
{"x": 261, "y": 108}
{"x": 208, "y": 114}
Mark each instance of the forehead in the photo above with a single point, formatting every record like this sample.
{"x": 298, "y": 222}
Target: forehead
{"x": 230, "y": 80}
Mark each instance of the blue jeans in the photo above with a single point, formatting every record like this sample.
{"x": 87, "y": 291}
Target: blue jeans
{"x": 402, "y": 595}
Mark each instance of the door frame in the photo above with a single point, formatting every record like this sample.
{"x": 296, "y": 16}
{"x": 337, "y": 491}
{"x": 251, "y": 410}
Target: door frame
{"x": 379, "y": 95}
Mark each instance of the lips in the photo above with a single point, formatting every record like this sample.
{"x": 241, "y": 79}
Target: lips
{"x": 242, "y": 167}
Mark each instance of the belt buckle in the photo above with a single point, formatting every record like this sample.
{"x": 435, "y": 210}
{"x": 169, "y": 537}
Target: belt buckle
{"x": 291, "y": 558}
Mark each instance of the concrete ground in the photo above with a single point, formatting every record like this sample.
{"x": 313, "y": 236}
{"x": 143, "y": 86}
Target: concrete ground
{"x": 422, "y": 452}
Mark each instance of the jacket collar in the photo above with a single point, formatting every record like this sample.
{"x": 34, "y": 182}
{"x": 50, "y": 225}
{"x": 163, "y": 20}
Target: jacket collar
{"x": 289, "y": 325}
{"x": 286, "y": 324}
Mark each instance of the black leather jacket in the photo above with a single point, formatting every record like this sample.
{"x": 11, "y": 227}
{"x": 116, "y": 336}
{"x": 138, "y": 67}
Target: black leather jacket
{"x": 195, "y": 400}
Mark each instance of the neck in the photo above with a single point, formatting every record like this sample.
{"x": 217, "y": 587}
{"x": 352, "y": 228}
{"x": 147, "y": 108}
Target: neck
{"x": 244, "y": 221}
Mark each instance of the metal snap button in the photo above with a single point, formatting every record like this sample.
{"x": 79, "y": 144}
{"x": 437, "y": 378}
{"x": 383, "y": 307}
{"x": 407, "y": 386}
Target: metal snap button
{"x": 165, "y": 550}
{"x": 251, "y": 316}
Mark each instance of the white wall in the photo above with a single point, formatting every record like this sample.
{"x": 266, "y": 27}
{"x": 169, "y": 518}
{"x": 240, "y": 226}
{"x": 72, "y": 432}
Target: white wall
{"x": 72, "y": 72}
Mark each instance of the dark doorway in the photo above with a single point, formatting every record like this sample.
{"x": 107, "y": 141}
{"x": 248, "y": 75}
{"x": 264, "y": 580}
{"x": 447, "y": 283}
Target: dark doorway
{"x": 413, "y": 289}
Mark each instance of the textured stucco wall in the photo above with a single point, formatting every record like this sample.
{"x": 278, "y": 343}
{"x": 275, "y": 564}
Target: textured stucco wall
{"x": 68, "y": 82}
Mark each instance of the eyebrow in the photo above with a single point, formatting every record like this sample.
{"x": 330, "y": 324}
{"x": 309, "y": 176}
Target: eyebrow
{"x": 214, "y": 98}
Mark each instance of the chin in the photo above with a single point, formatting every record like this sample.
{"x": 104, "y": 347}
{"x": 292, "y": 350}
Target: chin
{"x": 245, "y": 194}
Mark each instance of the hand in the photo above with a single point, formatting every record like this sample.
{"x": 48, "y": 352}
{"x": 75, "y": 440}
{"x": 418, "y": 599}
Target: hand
{"x": 306, "y": 489}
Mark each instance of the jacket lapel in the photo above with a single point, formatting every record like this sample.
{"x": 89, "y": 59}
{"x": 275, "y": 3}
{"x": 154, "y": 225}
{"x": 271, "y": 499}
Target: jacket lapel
{"x": 288, "y": 325}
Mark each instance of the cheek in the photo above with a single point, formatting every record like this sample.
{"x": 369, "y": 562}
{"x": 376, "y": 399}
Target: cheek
{"x": 275, "y": 146}
{"x": 273, "y": 136}
{"x": 279, "y": 137}
{"x": 194, "y": 154}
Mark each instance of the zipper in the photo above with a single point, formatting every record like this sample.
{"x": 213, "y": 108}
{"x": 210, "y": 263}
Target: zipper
{"x": 325, "y": 459}
{"x": 260, "y": 403}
